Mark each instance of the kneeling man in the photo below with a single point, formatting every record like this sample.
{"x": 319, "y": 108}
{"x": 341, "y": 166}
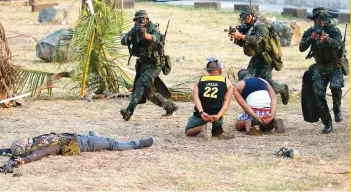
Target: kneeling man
{"x": 258, "y": 100}
{"x": 212, "y": 95}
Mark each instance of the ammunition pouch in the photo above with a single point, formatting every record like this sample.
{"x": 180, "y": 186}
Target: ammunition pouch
{"x": 267, "y": 58}
{"x": 69, "y": 144}
{"x": 167, "y": 66}
{"x": 248, "y": 50}
{"x": 344, "y": 65}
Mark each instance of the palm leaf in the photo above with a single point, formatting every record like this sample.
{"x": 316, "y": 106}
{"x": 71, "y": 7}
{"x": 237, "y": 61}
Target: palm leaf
{"x": 97, "y": 36}
{"x": 29, "y": 80}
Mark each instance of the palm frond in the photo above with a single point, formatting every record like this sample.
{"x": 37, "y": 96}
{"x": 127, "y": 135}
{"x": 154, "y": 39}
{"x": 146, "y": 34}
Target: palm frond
{"x": 29, "y": 80}
{"x": 96, "y": 37}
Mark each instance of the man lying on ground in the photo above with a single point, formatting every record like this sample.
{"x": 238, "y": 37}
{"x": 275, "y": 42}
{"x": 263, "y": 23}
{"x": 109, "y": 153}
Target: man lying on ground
{"x": 258, "y": 100}
{"x": 26, "y": 150}
{"x": 212, "y": 95}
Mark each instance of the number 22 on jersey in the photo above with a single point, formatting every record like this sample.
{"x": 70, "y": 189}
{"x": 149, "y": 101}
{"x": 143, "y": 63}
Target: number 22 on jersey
{"x": 211, "y": 92}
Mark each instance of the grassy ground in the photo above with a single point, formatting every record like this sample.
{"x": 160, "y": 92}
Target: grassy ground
{"x": 175, "y": 162}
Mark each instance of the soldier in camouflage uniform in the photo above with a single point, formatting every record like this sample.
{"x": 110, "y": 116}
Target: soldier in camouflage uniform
{"x": 145, "y": 39}
{"x": 325, "y": 40}
{"x": 250, "y": 37}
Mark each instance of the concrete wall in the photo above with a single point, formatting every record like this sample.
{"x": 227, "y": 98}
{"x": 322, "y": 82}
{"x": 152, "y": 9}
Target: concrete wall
{"x": 333, "y": 4}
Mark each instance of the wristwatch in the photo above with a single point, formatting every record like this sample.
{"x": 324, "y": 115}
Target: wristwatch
{"x": 201, "y": 112}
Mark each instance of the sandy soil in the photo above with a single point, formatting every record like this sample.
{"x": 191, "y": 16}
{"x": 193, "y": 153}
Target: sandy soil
{"x": 175, "y": 162}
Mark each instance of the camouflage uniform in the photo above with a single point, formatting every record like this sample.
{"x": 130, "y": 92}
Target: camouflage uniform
{"x": 147, "y": 70}
{"x": 325, "y": 69}
{"x": 254, "y": 46}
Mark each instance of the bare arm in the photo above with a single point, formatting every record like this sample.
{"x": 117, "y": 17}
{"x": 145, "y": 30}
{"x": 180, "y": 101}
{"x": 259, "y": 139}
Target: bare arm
{"x": 273, "y": 97}
{"x": 237, "y": 94}
{"x": 227, "y": 99}
{"x": 40, "y": 153}
{"x": 197, "y": 102}
{"x": 196, "y": 97}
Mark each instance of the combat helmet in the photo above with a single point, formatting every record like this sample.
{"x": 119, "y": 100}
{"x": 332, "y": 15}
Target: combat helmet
{"x": 247, "y": 11}
{"x": 320, "y": 11}
{"x": 140, "y": 13}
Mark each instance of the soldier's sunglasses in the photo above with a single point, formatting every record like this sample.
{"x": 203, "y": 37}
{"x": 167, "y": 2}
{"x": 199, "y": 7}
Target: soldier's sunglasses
{"x": 140, "y": 20}
{"x": 322, "y": 17}
{"x": 244, "y": 16}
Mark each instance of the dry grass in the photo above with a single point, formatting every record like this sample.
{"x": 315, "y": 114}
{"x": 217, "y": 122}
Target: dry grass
{"x": 175, "y": 162}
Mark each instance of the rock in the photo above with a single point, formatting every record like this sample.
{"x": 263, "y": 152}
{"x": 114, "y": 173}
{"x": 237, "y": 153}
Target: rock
{"x": 46, "y": 47}
{"x": 17, "y": 175}
{"x": 289, "y": 33}
{"x": 56, "y": 14}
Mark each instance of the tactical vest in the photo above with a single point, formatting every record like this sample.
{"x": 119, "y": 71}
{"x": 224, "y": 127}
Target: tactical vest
{"x": 145, "y": 48}
{"x": 325, "y": 56}
{"x": 212, "y": 90}
{"x": 68, "y": 142}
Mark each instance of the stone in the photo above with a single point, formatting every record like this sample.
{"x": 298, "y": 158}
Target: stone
{"x": 56, "y": 15}
{"x": 288, "y": 32}
{"x": 46, "y": 47}
{"x": 295, "y": 12}
{"x": 39, "y": 7}
{"x": 240, "y": 7}
{"x": 207, "y": 5}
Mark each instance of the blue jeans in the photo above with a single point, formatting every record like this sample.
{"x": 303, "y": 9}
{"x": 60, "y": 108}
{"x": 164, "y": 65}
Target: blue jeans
{"x": 92, "y": 143}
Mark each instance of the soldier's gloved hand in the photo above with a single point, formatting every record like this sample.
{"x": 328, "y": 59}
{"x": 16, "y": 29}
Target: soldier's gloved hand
{"x": 314, "y": 36}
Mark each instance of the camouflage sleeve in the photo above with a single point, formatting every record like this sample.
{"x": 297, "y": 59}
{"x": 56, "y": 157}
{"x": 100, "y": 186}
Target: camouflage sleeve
{"x": 239, "y": 42}
{"x": 124, "y": 40}
{"x": 260, "y": 31}
{"x": 306, "y": 40}
{"x": 155, "y": 34}
{"x": 335, "y": 38}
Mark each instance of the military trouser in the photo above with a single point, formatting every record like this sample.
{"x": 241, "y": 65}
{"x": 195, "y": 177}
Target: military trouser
{"x": 321, "y": 77}
{"x": 145, "y": 86}
{"x": 259, "y": 68}
{"x": 92, "y": 143}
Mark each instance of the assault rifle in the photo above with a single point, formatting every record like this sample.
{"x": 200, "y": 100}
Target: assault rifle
{"x": 137, "y": 33}
{"x": 232, "y": 30}
{"x": 319, "y": 31}
{"x": 7, "y": 167}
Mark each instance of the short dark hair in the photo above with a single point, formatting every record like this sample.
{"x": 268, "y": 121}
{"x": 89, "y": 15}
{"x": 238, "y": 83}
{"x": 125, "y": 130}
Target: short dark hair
{"x": 213, "y": 64}
{"x": 244, "y": 73}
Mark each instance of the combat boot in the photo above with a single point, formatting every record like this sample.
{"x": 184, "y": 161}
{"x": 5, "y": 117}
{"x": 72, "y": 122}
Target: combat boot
{"x": 126, "y": 114}
{"x": 338, "y": 117}
{"x": 146, "y": 142}
{"x": 285, "y": 95}
{"x": 327, "y": 128}
{"x": 170, "y": 110}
